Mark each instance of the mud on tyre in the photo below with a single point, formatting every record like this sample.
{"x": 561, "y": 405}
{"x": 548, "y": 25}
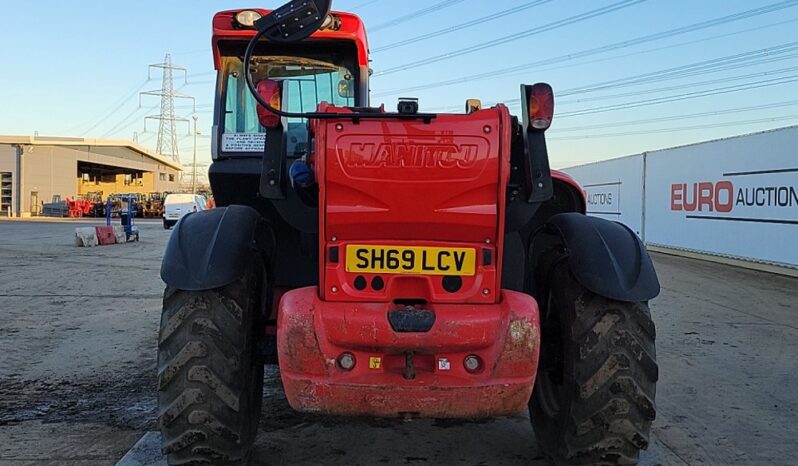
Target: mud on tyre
{"x": 210, "y": 382}
{"x": 593, "y": 401}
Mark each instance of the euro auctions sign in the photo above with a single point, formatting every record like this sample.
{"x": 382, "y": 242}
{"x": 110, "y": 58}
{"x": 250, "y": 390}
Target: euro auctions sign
{"x": 755, "y": 202}
{"x": 735, "y": 197}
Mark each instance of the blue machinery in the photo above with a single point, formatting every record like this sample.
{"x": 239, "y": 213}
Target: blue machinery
{"x": 122, "y": 205}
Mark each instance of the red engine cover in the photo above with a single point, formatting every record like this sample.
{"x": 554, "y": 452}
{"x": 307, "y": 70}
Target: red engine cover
{"x": 413, "y": 183}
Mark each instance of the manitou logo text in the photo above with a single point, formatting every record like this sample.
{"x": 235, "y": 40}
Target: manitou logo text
{"x": 411, "y": 155}
{"x": 723, "y": 197}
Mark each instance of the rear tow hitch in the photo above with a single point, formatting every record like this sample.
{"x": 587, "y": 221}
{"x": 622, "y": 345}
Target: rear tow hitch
{"x": 410, "y": 372}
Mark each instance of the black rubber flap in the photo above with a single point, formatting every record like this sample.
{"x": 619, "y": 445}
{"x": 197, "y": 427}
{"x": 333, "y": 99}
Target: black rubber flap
{"x": 607, "y": 257}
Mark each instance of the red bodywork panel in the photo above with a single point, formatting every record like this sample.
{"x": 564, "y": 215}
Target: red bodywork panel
{"x": 313, "y": 333}
{"x": 410, "y": 183}
{"x": 352, "y": 29}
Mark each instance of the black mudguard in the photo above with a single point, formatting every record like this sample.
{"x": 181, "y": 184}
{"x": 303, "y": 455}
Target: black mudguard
{"x": 606, "y": 257}
{"x": 212, "y": 248}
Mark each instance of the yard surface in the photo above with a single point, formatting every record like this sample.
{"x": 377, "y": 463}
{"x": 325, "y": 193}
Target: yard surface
{"x": 78, "y": 330}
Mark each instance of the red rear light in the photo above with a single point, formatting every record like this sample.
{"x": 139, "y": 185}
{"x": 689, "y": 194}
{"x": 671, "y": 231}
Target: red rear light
{"x": 271, "y": 91}
{"x": 538, "y": 106}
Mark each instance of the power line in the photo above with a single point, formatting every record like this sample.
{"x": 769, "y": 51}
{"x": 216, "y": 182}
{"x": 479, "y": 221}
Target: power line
{"x": 725, "y": 63}
{"x": 709, "y": 66}
{"x": 606, "y": 48}
{"x": 197, "y": 83}
{"x": 115, "y": 108}
{"x": 148, "y": 135}
{"x": 684, "y": 96}
{"x": 416, "y": 14}
{"x": 672, "y": 130}
{"x": 727, "y": 79}
{"x": 688, "y": 95}
{"x": 715, "y": 65}
{"x": 192, "y": 52}
{"x": 193, "y": 107}
{"x": 639, "y": 122}
{"x": 665, "y": 75}
{"x": 131, "y": 116}
{"x": 130, "y": 119}
{"x": 195, "y": 75}
{"x": 513, "y": 37}
{"x": 363, "y": 5}
{"x": 655, "y": 49}
{"x": 759, "y": 61}
{"x": 461, "y": 26}
{"x": 134, "y": 122}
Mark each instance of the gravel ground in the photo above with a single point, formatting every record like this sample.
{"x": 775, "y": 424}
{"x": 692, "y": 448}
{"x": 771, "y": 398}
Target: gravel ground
{"x": 78, "y": 332}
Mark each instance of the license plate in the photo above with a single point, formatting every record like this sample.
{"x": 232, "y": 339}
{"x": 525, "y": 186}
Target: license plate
{"x": 419, "y": 260}
{"x": 173, "y": 215}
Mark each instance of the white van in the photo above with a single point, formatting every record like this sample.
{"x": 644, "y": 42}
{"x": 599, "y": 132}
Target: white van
{"x": 175, "y": 206}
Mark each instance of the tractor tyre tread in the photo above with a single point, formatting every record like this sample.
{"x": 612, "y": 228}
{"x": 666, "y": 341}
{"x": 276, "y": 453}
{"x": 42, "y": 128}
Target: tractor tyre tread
{"x": 210, "y": 382}
{"x": 611, "y": 373}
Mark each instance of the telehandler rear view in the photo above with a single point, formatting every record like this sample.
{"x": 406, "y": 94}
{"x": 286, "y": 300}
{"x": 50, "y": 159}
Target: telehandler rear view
{"x": 393, "y": 264}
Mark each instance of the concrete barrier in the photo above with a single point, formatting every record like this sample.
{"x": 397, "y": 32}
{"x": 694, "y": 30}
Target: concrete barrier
{"x": 103, "y": 235}
{"x": 86, "y": 236}
{"x": 119, "y": 232}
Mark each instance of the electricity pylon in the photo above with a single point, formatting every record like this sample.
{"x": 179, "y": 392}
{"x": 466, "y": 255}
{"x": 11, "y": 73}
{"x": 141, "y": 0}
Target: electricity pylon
{"x": 167, "y": 126}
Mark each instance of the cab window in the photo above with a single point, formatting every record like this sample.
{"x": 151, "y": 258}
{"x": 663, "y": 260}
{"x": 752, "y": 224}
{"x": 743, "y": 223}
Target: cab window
{"x": 306, "y": 83}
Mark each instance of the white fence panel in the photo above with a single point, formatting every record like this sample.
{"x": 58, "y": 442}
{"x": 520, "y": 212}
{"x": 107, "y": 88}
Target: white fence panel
{"x": 736, "y": 197}
{"x": 614, "y": 189}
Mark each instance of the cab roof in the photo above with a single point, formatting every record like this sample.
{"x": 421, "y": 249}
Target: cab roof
{"x": 351, "y": 29}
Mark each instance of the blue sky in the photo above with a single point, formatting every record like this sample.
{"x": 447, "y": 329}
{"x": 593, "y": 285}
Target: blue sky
{"x": 74, "y": 68}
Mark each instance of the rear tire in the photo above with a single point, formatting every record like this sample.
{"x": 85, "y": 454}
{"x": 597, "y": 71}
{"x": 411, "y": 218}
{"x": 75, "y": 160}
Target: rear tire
{"x": 593, "y": 401}
{"x": 210, "y": 380}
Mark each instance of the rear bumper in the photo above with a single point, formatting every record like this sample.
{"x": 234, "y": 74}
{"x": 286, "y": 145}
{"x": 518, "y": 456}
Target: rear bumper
{"x": 312, "y": 334}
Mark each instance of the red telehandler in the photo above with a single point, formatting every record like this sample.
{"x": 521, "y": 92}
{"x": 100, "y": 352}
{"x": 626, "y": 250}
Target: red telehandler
{"x": 392, "y": 263}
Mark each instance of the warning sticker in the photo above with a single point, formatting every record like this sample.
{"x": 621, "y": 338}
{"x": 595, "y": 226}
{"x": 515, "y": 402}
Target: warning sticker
{"x": 375, "y": 362}
{"x": 444, "y": 365}
{"x": 243, "y": 142}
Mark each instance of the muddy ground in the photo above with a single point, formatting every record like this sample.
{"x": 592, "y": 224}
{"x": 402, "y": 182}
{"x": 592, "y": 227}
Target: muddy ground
{"x": 77, "y": 368}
